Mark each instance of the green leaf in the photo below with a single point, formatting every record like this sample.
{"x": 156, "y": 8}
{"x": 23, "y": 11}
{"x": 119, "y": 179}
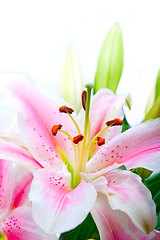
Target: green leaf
{"x": 153, "y": 183}
{"x": 157, "y": 87}
{"x": 142, "y": 172}
{"x": 87, "y": 229}
{"x": 125, "y": 125}
{"x": 110, "y": 62}
{"x": 158, "y": 222}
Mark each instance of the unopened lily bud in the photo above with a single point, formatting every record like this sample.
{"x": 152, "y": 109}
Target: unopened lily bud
{"x": 155, "y": 93}
{"x": 71, "y": 83}
{"x": 110, "y": 62}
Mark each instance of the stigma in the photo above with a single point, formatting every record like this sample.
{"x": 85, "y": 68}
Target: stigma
{"x": 84, "y": 99}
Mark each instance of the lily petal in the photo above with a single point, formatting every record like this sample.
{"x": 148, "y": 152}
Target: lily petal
{"x": 8, "y": 119}
{"x": 106, "y": 106}
{"x": 19, "y": 225}
{"x": 127, "y": 193}
{"x": 21, "y": 187}
{"x": 115, "y": 224}
{"x": 137, "y": 147}
{"x": 6, "y": 185}
{"x": 56, "y": 208}
{"x": 11, "y": 152}
{"x": 38, "y": 112}
{"x": 92, "y": 176}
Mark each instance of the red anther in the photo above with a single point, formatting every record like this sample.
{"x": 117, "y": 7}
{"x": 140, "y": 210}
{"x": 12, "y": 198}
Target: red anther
{"x": 101, "y": 141}
{"x": 55, "y": 129}
{"x": 78, "y": 138}
{"x": 66, "y": 109}
{"x": 114, "y": 122}
{"x": 84, "y": 99}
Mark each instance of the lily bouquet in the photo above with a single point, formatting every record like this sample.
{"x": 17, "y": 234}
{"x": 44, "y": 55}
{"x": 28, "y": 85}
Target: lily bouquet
{"x": 74, "y": 172}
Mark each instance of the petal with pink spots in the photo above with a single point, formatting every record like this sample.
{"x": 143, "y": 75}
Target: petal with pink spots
{"x": 57, "y": 208}
{"x": 104, "y": 106}
{"x": 21, "y": 187}
{"x": 137, "y": 147}
{"x": 14, "y": 153}
{"x": 38, "y": 112}
{"x": 6, "y": 185}
{"x": 19, "y": 225}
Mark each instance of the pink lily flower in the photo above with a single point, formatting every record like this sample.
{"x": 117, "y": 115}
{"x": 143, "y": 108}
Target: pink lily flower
{"x": 16, "y": 221}
{"x": 74, "y": 158}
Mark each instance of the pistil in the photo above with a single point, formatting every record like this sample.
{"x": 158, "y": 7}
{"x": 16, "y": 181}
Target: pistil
{"x": 84, "y": 97}
{"x": 86, "y": 127}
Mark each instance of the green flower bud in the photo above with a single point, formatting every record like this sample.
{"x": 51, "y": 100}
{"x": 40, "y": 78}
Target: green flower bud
{"x": 110, "y": 62}
{"x": 154, "y": 112}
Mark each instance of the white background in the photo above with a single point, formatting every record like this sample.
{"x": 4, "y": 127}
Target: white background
{"x": 35, "y": 36}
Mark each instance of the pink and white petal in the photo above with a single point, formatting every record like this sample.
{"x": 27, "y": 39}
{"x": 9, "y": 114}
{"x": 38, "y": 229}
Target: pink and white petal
{"x": 8, "y": 119}
{"x": 157, "y": 234}
{"x": 12, "y": 137}
{"x": 40, "y": 142}
{"x": 100, "y": 184}
{"x": 137, "y": 147}
{"x": 22, "y": 183}
{"x": 114, "y": 224}
{"x": 127, "y": 193}
{"x": 105, "y": 106}
{"x": 88, "y": 177}
{"x": 56, "y": 208}
{"x": 38, "y": 112}
{"x": 19, "y": 155}
{"x": 6, "y": 186}
{"x": 19, "y": 225}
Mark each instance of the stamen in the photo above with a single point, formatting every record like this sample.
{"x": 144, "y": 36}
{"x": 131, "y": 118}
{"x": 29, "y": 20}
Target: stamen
{"x": 84, "y": 99}
{"x": 114, "y": 122}
{"x": 101, "y": 141}
{"x": 66, "y": 109}
{"x": 55, "y": 129}
{"x": 69, "y": 111}
{"x": 78, "y": 138}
